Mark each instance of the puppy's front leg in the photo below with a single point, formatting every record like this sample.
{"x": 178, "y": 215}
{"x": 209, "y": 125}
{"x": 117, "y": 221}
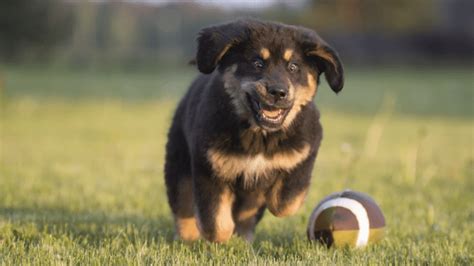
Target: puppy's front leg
{"x": 214, "y": 209}
{"x": 247, "y": 212}
{"x": 288, "y": 192}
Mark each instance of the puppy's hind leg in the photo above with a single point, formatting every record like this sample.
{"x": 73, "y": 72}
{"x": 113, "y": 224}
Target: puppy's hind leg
{"x": 179, "y": 187}
{"x": 185, "y": 220}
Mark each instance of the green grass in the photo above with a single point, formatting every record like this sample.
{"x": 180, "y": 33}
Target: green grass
{"x": 81, "y": 170}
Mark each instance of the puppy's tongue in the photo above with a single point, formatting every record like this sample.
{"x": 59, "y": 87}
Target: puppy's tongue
{"x": 272, "y": 114}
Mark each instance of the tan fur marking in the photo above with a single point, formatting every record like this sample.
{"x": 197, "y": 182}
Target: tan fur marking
{"x": 247, "y": 214}
{"x": 284, "y": 209}
{"x": 222, "y": 53}
{"x": 224, "y": 222}
{"x": 288, "y": 54}
{"x": 303, "y": 95}
{"x": 273, "y": 198}
{"x": 185, "y": 222}
{"x": 293, "y": 206}
{"x": 260, "y": 88}
{"x": 325, "y": 55}
{"x": 265, "y": 53}
{"x": 229, "y": 166}
{"x": 251, "y": 208}
{"x": 187, "y": 229}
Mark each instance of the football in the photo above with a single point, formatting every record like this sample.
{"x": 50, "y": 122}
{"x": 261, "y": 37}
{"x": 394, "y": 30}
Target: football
{"x": 347, "y": 218}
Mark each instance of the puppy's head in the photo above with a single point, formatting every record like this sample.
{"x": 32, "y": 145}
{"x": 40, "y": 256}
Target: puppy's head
{"x": 269, "y": 70}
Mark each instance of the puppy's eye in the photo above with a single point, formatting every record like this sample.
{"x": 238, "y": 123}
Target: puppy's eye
{"x": 293, "y": 68}
{"x": 258, "y": 63}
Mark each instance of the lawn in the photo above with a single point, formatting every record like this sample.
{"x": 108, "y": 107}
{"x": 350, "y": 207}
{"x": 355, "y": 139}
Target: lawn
{"x": 81, "y": 169}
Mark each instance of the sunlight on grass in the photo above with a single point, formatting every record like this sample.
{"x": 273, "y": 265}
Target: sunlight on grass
{"x": 81, "y": 182}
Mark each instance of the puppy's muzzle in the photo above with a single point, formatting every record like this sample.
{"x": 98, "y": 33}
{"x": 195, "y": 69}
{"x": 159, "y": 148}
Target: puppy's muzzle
{"x": 270, "y": 105}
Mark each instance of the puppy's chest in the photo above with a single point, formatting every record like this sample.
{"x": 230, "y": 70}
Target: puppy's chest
{"x": 252, "y": 167}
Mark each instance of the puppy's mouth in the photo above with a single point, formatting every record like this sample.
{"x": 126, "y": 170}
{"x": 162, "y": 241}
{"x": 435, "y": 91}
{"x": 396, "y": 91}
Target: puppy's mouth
{"x": 268, "y": 116}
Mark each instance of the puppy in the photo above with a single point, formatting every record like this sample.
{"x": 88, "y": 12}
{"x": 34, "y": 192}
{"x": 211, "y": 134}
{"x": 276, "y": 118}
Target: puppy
{"x": 245, "y": 136}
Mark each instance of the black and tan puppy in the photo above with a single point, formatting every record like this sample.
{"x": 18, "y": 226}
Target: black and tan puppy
{"x": 245, "y": 136}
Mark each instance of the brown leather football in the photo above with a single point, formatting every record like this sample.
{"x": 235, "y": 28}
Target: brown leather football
{"x": 347, "y": 218}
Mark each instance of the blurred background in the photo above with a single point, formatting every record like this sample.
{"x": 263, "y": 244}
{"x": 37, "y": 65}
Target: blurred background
{"x": 139, "y": 50}
{"x": 128, "y": 34}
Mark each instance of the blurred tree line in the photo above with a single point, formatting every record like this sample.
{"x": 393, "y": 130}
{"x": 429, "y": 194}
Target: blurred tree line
{"x": 32, "y": 28}
{"x": 84, "y": 33}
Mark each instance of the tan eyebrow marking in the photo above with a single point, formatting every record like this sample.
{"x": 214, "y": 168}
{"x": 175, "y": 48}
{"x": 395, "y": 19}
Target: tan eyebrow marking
{"x": 287, "y": 54}
{"x": 265, "y": 53}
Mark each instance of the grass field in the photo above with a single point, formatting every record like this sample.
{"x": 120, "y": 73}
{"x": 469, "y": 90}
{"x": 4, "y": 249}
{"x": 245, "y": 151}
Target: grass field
{"x": 81, "y": 170}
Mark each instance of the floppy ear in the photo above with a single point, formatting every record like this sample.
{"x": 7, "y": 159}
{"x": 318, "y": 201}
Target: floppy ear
{"x": 326, "y": 59}
{"x": 215, "y": 41}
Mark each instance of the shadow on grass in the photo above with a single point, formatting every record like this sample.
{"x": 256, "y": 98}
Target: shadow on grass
{"x": 97, "y": 229}
{"x": 84, "y": 228}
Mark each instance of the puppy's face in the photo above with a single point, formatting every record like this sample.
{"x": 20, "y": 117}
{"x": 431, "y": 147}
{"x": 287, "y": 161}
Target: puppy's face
{"x": 269, "y": 70}
{"x": 267, "y": 81}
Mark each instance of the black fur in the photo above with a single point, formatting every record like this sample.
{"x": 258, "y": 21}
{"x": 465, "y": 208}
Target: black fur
{"x": 209, "y": 118}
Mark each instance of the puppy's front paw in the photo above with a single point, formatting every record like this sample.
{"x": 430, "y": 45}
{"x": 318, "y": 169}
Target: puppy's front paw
{"x": 186, "y": 229}
{"x": 218, "y": 234}
{"x": 216, "y": 224}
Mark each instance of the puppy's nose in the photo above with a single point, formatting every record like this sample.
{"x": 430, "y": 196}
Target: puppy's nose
{"x": 278, "y": 92}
